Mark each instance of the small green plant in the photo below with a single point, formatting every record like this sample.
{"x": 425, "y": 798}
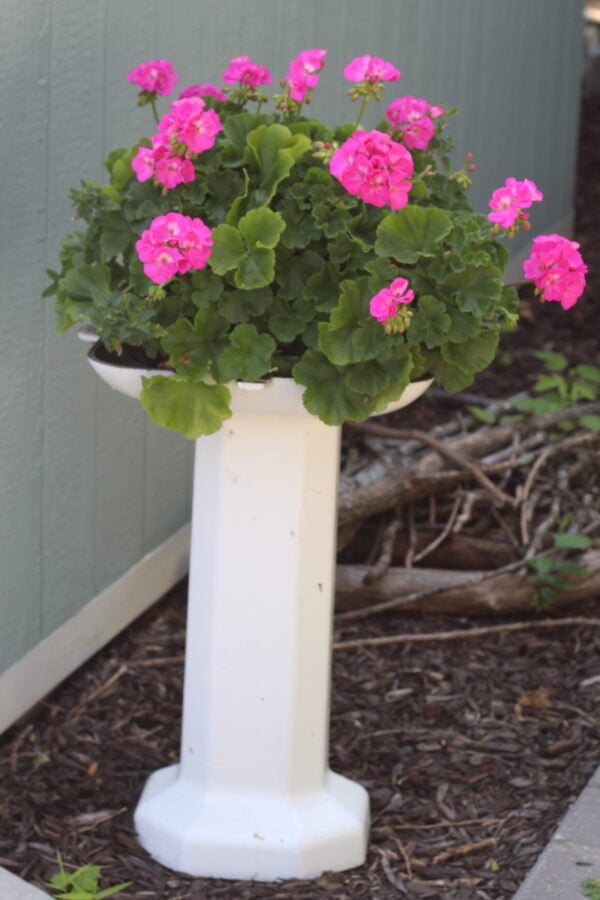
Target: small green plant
{"x": 590, "y": 888}
{"x": 83, "y": 884}
{"x": 562, "y": 387}
{"x": 552, "y": 570}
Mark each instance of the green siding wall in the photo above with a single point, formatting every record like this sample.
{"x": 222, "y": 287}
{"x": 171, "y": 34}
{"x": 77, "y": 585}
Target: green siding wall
{"x": 87, "y": 483}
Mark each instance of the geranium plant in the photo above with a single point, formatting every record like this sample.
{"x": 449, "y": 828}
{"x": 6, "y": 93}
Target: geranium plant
{"x": 241, "y": 243}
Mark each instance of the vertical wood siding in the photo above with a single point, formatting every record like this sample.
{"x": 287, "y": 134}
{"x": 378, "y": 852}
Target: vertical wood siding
{"x": 87, "y": 483}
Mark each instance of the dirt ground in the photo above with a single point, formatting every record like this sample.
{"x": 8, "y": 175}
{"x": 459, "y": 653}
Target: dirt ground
{"x": 471, "y": 749}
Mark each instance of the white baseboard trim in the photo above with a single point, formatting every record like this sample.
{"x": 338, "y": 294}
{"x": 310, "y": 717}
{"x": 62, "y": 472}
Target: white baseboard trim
{"x": 564, "y": 226}
{"x": 74, "y": 642}
{"x": 13, "y": 888}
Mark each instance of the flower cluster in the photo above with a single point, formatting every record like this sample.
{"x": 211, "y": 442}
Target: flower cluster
{"x": 372, "y": 166}
{"x": 350, "y": 260}
{"x": 508, "y": 202}
{"x": 556, "y": 268}
{"x": 155, "y": 77}
{"x": 187, "y": 129}
{"x": 370, "y": 69}
{"x": 303, "y": 73}
{"x": 241, "y": 69}
{"x": 413, "y": 118}
{"x": 385, "y": 305}
{"x": 189, "y": 123}
{"x": 203, "y": 90}
{"x": 161, "y": 163}
{"x": 173, "y": 245}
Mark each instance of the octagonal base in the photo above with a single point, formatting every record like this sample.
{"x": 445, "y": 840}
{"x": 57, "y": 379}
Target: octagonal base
{"x": 258, "y": 837}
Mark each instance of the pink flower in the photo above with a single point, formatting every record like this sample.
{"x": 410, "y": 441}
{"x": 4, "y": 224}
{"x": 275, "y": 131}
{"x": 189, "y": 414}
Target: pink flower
{"x": 143, "y": 164}
{"x": 189, "y": 123}
{"x": 412, "y": 116}
{"x": 157, "y": 76}
{"x": 556, "y": 268}
{"x": 374, "y": 167}
{"x": 508, "y": 202}
{"x": 173, "y": 170}
{"x": 173, "y": 245}
{"x": 203, "y": 90}
{"x": 384, "y": 305}
{"x": 371, "y": 69}
{"x": 303, "y": 72}
{"x": 242, "y": 69}
{"x": 162, "y": 163}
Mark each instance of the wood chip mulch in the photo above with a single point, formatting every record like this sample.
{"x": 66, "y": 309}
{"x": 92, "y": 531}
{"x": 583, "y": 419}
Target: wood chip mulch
{"x": 471, "y": 750}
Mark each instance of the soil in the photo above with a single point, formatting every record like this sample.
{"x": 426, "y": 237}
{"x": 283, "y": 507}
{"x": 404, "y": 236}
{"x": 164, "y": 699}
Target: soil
{"x": 471, "y": 749}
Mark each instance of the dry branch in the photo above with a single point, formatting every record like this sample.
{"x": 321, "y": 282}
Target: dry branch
{"x": 508, "y": 589}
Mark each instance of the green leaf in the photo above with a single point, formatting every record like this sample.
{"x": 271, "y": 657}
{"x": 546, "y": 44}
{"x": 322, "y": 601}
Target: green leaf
{"x": 239, "y": 306}
{"x": 352, "y": 335}
{"x": 193, "y": 408}
{"x": 275, "y": 150}
{"x": 482, "y": 415}
{"x": 452, "y": 378}
{"x": 583, "y": 390}
{"x": 236, "y": 129}
{"x": 323, "y": 288}
{"x": 590, "y": 420}
{"x": 551, "y": 382}
{"x": 75, "y": 895}
{"x": 556, "y": 362}
{"x": 261, "y": 227}
{"x": 430, "y": 322}
{"x": 572, "y": 541}
{"x": 590, "y": 373}
{"x": 256, "y": 269}
{"x": 539, "y": 406}
{"x": 208, "y": 287}
{"x": 87, "y": 283}
{"x": 110, "y": 892}
{"x": 473, "y": 355}
{"x": 464, "y": 326}
{"x": 195, "y": 343}
{"x": 398, "y": 369}
{"x": 412, "y": 232}
{"x": 116, "y": 236}
{"x": 327, "y": 395}
{"x": 285, "y": 323}
{"x": 227, "y": 250}
{"x": 248, "y": 357}
{"x": 475, "y": 289}
{"x": 86, "y": 878}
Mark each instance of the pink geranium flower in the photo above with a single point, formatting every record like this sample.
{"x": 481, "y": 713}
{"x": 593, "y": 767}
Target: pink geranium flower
{"x": 157, "y": 76}
{"x": 203, "y": 90}
{"x": 162, "y": 163}
{"x": 384, "y": 305}
{"x": 374, "y": 167}
{"x": 508, "y": 202}
{"x": 303, "y": 72}
{"x": 241, "y": 69}
{"x": 370, "y": 69}
{"x": 189, "y": 122}
{"x": 557, "y": 269}
{"x": 413, "y": 118}
{"x": 173, "y": 245}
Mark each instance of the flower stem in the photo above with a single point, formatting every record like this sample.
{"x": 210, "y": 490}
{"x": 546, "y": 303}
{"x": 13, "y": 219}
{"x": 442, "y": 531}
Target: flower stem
{"x": 154, "y": 109}
{"x": 363, "y": 106}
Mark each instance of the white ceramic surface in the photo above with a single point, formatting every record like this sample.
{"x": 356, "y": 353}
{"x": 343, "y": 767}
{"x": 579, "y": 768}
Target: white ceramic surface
{"x": 253, "y": 796}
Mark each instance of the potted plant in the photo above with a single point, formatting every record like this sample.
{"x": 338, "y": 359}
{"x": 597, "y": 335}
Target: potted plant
{"x": 286, "y": 275}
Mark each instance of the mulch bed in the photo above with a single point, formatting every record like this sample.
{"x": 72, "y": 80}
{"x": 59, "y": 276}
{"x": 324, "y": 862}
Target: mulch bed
{"x": 471, "y": 749}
